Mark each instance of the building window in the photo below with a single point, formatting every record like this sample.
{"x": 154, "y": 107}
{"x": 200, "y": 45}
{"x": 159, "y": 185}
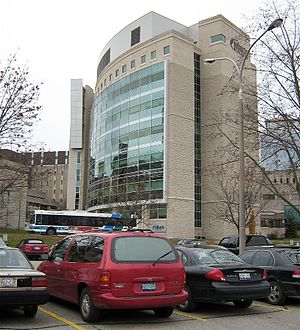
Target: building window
{"x": 166, "y": 50}
{"x": 153, "y": 55}
{"x": 143, "y": 59}
{"x": 110, "y": 77}
{"x": 124, "y": 68}
{"x": 217, "y": 38}
{"x": 268, "y": 196}
{"x": 197, "y": 139}
{"x": 135, "y": 36}
{"x": 117, "y": 73}
{"x": 132, "y": 64}
{"x": 158, "y": 211}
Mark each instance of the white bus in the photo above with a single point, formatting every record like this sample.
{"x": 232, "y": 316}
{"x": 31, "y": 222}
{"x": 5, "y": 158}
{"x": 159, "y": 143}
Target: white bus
{"x": 70, "y": 222}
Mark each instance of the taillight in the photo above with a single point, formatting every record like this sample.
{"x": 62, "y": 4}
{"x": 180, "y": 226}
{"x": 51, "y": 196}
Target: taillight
{"x": 39, "y": 281}
{"x": 215, "y": 275}
{"x": 296, "y": 273}
{"x": 105, "y": 280}
{"x": 184, "y": 277}
{"x": 265, "y": 274}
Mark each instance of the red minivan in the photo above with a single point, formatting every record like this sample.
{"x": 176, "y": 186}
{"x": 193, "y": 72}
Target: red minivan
{"x": 116, "y": 270}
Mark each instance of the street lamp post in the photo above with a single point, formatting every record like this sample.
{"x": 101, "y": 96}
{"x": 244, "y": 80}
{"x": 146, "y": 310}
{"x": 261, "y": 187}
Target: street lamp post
{"x": 242, "y": 218}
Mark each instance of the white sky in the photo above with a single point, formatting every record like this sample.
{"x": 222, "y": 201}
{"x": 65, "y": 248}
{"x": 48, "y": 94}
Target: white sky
{"x": 62, "y": 39}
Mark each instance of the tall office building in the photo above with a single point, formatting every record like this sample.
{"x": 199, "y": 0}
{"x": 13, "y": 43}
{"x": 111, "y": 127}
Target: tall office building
{"x": 81, "y": 103}
{"x": 156, "y": 105}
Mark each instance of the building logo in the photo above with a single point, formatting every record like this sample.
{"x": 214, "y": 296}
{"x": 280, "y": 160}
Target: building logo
{"x": 158, "y": 228}
{"x": 237, "y": 47}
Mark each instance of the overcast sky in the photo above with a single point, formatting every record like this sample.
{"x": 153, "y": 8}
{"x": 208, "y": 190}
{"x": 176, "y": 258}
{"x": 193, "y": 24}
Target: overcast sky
{"x": 62, "y": 39}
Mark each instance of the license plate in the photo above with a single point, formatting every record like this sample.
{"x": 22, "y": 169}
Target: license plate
{"x": 148, "y": 286}
{"x": 244, "y": 276}
{"x": 8, "y": 282}
{"x": 37, "y": 248}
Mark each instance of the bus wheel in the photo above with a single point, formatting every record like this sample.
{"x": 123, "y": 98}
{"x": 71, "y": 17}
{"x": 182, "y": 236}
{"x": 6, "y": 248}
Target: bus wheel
{"x": 50, "y": 231}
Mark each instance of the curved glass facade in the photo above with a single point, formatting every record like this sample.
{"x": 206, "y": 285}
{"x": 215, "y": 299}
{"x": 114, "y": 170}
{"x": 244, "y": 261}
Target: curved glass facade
{"x": 127, "y": 139}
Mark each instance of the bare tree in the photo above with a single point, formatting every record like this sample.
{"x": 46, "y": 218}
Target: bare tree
{"x": 18, "y": 105}
{"x": 278, "y": 92}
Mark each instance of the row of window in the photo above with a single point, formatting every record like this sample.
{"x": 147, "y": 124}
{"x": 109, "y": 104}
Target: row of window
{"x": 287, "y": 180}
{"x": 133, "y": 63}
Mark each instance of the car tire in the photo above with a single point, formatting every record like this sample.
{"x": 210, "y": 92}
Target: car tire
{"x": 88, "y": 311}
{"x": 189, "y": 305}
{"x": 30, "y": 310}
{"x": 244, "y": 303}
{"x": 276, "y": 296}
{"x": 51, "y": 231}
{"x": 164, "y": 311}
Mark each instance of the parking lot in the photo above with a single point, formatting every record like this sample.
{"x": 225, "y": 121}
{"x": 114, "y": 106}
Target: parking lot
{"x": 57, "y": 314}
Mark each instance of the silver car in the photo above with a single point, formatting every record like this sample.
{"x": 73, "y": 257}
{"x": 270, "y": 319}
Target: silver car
{"x": 21, "y": 286}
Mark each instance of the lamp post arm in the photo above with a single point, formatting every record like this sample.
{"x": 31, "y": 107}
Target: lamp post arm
{"x": 246, "y": 55}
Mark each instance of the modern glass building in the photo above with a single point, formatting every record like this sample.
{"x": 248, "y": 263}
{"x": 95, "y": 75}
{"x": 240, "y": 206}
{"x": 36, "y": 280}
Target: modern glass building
{"x": 150, "y": 153}
{"x": 127, "y": 141}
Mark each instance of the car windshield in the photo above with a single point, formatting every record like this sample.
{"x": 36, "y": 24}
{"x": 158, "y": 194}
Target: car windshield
{"x": 143, "y": 249}
{"x": 212, "y": 256}
{"x": 13, "y": 259}
{"x": 291, "y": 255}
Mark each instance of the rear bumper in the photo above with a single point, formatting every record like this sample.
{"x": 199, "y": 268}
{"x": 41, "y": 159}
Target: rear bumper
{"x": 291, "y": 289}
{"x": 109, "y": 301}
{"x": 229, "y": 292}
{"x": 18, "y": 298}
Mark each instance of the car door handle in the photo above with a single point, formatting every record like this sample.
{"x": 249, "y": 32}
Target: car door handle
{"x": 59, "y": 269}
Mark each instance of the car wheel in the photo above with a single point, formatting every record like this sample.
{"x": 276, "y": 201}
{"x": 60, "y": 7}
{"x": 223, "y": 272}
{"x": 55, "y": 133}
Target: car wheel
{"x": 276, "y": 296}
{"x": 88, "y": 311}
{"x": 189, "y": 305}
{"x": 164, "y": 312}
{"x": 243, "y": 303}
{"x": 51, "y": 231}
{"x": 30, "y": 310}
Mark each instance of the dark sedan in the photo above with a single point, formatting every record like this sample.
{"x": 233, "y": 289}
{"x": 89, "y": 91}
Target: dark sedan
{"x": 283, "y": 266}
{"x": 214, "y": 274}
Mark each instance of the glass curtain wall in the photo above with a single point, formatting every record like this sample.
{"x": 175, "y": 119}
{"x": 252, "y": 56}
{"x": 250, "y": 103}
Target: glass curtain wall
{"x": 127, "y": 139}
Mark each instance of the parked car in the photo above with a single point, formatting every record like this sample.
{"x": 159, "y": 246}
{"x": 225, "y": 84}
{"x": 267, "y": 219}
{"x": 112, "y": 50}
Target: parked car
{"x": 116, "y": 270}
{"x": 214, "y": 274}
{"x": 21, "y": 286}
{"x": 232, "y": 242}
{"x": 283, "y": 266}
{"x": 191, "y": 242}
{"x": 33, "y": 248}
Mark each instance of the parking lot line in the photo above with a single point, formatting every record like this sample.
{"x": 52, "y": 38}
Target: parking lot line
{"x": 70, "y": 323}
{"x": 190, "y": 316}
{"x": 278, "y": 308}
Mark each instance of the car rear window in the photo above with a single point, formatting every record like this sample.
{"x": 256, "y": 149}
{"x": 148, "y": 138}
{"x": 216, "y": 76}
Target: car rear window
{"x": 209, "y": 256}
{"x": 292, "y": 256}
{"x": 34, "y": 241}
{"x": 13, "y": 259}
{"x": 143, "y": 249}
